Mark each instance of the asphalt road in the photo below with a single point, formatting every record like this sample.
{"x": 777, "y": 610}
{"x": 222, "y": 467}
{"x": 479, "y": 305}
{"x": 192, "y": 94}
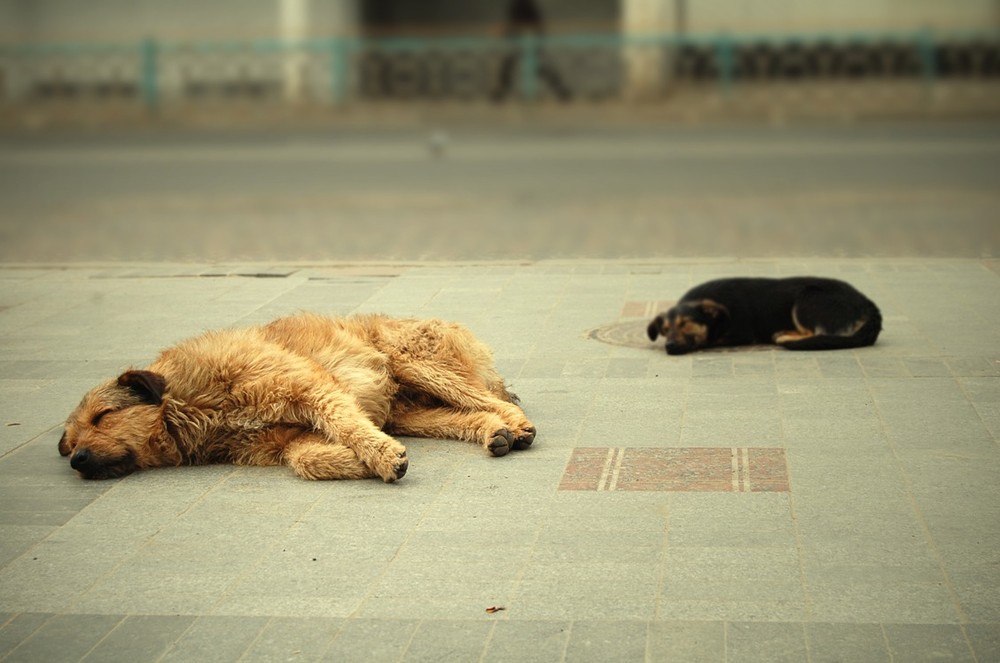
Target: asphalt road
{"x": 859, "y": 191}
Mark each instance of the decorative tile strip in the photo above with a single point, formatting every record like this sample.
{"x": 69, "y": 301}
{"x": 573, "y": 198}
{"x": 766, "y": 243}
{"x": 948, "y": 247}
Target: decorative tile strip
{"x": 687, "y": 469}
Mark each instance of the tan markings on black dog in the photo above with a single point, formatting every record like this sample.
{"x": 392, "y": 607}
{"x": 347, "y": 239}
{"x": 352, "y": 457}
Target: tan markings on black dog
{"x": 690, "y": 331}
{"x": 321, "y": 395}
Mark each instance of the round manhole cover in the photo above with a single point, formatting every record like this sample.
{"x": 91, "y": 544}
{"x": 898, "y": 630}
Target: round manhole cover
{"x": 628, "y": 333}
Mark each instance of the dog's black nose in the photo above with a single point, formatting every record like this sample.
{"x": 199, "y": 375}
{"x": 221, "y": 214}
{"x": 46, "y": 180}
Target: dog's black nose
{"x": 80, "y": 459}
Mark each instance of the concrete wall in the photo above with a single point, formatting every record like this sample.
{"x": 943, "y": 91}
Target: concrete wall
{"x": 770, "y": 16}
{"x": 111, "y": 20}
{"x": 234, "y": 19}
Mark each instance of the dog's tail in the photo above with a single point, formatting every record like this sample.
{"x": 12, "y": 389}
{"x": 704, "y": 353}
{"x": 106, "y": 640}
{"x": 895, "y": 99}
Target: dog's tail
{"x": 500, "y": 390}
{"x": 511, "y": 397}
{"x": 864, "y": 336}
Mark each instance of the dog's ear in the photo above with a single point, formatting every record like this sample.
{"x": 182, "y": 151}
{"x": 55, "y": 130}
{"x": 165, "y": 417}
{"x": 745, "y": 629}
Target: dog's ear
{"x": 655, "y": 327}
{"x": 147, "y": 385}
{"x": 713, "y": 308}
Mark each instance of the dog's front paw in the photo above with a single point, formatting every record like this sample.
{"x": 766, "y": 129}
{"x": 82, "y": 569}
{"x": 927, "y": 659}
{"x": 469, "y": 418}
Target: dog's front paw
{"x": 500, "y": 442}
{"x": 523, "y": 438}
{"x": 391, "y": 463}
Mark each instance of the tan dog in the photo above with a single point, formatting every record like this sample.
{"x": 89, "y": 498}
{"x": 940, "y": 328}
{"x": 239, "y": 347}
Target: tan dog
{"x": 315, "y": 393}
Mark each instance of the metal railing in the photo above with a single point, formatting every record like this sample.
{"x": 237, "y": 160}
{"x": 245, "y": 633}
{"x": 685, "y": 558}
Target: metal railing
{"x": 579, "y": 67}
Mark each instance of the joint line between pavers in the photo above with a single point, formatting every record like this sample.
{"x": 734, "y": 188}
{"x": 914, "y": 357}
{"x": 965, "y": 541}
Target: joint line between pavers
{"x": 745, "y": 468}
{"x": 616, "y": 468}
{"x": 606, "y": 469}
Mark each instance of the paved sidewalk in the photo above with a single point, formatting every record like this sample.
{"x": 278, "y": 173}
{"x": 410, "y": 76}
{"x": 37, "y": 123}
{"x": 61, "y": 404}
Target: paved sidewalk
{"x": 727, "y": 506}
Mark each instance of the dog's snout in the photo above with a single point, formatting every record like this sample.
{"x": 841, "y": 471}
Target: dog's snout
{"x": 80, "y": 459}
{"x": 95, "y": 465}
{"x": 675, "y": 348}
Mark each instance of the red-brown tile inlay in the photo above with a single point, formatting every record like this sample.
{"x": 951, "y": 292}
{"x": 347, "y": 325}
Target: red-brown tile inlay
{"x": 583, "y": 472}
{"x": 645, "y": 309}
{"x": 737, "y": 469}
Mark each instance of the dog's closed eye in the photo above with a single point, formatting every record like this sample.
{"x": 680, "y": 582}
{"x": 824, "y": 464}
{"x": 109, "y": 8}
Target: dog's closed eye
{"x": 97, "y": 417}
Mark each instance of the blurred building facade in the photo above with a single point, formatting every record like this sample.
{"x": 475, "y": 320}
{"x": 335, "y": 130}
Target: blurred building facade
{"x": 349, "y": 50}
{"x": 109, "y": 20}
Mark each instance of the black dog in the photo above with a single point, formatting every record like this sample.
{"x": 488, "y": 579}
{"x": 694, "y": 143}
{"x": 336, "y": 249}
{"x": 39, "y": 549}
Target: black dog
{"x": 801, "y": 313}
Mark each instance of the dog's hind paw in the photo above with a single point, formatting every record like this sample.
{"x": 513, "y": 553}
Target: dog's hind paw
{"x": 401, "y": 467}
{"x": 501, "y": 443}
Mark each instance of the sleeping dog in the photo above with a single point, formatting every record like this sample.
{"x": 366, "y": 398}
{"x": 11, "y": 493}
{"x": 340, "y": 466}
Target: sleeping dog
{"x": 801, "y": 313}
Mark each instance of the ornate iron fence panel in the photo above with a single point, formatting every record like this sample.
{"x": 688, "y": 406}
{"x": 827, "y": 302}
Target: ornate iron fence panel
{"x": 71, "y": 72}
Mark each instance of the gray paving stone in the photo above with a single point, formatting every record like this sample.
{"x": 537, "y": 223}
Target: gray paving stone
{"x": 39, "y": 511}
{"x": 606, "y": 641}
{"x": 754, "y": 641}
{"x": 448, "y": 641}
{"x": 861, "y": 434}
{"x": 756, "y": 575}
{"x": 789, "y": 609}
{"x": 928, "y": 642}
{"x": 930, "y": 424}
{"x": 624, "y": 546}
{"x": 294, "y": 638}
{"x": 920, "y": 367}
{"x": 140, "y": 638}
{"x": 586, "y": 590}
{"x": 731, "y": 520}
{"x": 65, "y": 638}
{"x": 371, "y": 639}
{"x": 396, "y": 605}
{"x": 834, "y": 643}
{"x": 974, "y": 586}
{"x": 16, "y": 628}
{"x": 852, "y": 595}
{"x": 626, "y": 368}
{"x": 744, "y": 428}
{"x": 883, "y": 367}
{"x": 840, "y": 367}
{"x": 712, "y": 365}
{"x": 687, "y": 641}
{"x": 532, "y": 640}
{"x": 985, "y": 640}
{"x": 20, "y": 539}
{"x": 215, "y": 639}
{"x": 975, "y": 366}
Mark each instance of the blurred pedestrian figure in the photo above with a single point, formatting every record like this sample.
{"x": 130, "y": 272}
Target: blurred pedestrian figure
{"x": 524, "y": 17}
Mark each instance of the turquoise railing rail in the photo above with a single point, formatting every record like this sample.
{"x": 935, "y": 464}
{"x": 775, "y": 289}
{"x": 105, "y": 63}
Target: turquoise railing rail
{"x": 149, "y": 82}
{"x": 722, "y": 49}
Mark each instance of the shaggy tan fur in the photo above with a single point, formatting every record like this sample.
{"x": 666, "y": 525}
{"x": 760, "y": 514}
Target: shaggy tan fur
{"x": 321, "y": 395}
